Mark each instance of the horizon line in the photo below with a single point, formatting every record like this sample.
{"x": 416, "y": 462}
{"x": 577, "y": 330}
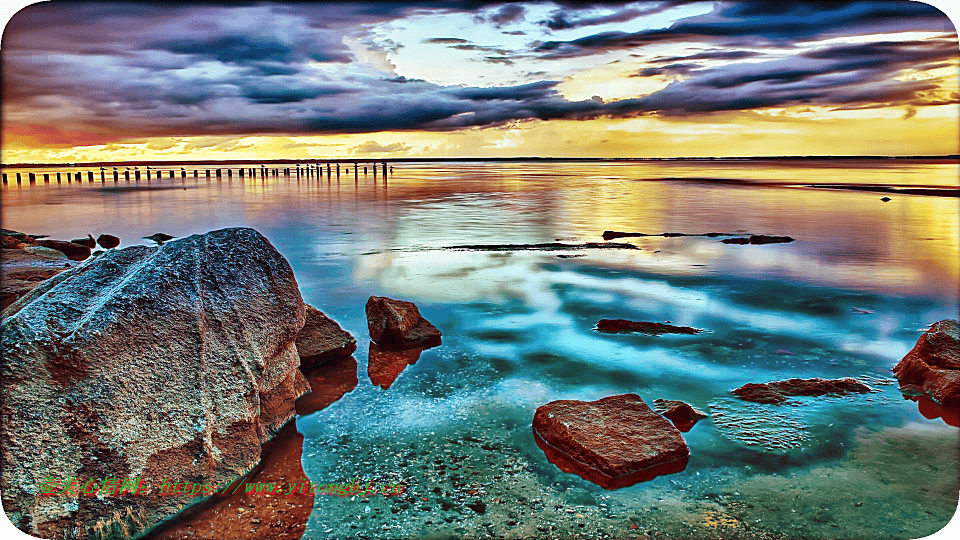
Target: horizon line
{"x": 950, "y": 157}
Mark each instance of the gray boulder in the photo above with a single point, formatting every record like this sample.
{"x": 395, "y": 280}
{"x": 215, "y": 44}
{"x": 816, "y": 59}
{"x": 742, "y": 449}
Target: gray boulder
{"x": 171, "y": 363}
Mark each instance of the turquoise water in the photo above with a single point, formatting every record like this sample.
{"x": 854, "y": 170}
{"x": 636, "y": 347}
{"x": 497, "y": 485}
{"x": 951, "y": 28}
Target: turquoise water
{"x": 848, "y": 299}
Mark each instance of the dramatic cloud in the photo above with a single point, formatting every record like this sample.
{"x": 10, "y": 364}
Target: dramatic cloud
{"x": 119, "y": 72}
{"x": 779, "y": 24}
{"x": 564, "y": 20}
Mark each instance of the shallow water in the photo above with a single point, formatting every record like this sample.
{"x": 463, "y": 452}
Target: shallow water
{"x": 848, "y": 298}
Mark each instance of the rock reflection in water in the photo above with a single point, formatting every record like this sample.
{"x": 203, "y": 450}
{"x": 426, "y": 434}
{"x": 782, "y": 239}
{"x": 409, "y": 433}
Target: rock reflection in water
{"x": 329, "y": 382}
{"x": 385, "y": 365}
{"x": 251, "y": 516}
{"x": 931, "y": 410}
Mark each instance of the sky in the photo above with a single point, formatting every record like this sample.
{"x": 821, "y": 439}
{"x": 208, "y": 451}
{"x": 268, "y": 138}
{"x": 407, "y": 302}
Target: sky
{"x": 88, "y": 81}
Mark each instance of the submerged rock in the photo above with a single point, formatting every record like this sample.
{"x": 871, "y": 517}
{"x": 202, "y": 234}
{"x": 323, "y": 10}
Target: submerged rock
{"x": 398, "y": 324}
{"x": 778, "y": 391}
{"x": 682, "y": 415}
{"x": 615, "y": 442}
{"x": 933, "y": 364}
{"x": 322, "y": 339}
{"x": 759, "y": 239}
{"x": 620, "y": 326}
{"x": 146, "y": 363}
{"x": 610, "y": 235}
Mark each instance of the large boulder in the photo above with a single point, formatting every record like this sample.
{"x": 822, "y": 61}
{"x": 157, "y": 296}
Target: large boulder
{"x": 778, "y": 391}
{"x": 398, "y": 324}
{"x": 153, "y": 364}
{"x": 933, "y": 365}
{"x": 322, "y": 340}
{"x": 615, "y": 442}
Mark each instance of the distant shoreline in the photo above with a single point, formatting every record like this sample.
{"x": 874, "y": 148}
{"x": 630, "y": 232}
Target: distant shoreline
{"x": 925, "y": 159}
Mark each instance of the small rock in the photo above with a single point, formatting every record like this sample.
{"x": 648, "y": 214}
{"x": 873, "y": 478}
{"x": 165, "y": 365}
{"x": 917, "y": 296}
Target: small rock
{"x": 159, "y": 238}
{"x": 398, "y": 324}
{"x": 885, "y": 199}
{"x": 682, "y": 415}
{"x": 108, "y": 241}
{"x": 88, "y": 241}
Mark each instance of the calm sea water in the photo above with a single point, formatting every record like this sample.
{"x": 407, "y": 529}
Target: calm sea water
{"x": 848, "y": 298}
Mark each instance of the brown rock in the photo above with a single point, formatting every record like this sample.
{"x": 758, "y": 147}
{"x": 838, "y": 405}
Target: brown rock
{"x": 398, "y": 324}
{"x": 75, "y": 252}
{"x": 615, "y": 442}
{"x": 778, "y": 391}
{"x": 9, "y": 242}
{"x": 736, "y": 240}
{"x": 621, "y": 326}
{"x": 322, "y": 339}
{"x": 108, "y": 241}
{"x": 23, "y": 269}
{"x": 146, "y": 363}
{"x": 759, "y": 239}
{"x": 933, "y": 364}
{"x": 682, "y": 415}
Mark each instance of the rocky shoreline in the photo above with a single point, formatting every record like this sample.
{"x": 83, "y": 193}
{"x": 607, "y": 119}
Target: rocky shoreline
{"x": 184, "y": 359}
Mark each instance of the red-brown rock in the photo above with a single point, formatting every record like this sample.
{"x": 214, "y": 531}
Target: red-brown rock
{"x": 108, "y": 241}
{"x": 398, "y": 324}
{"x": 75, "y": 252}
{"x": 23, "y": 269}
{"x": 682, "y": 415}
{"x": 615, "y": 442}
{"x": 322, "y": 340}
{"x": 778, "y": 391}
{"x": 933, "y": 364}
{"x": 621, "y": 326}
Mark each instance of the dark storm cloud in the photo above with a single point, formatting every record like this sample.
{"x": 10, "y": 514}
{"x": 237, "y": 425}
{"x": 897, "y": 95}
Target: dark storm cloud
{"x": 764, "y": 24}
{"x": 706, "y": 55}
{"x": 563, "y": 19}
{"x": 507, "y": 14}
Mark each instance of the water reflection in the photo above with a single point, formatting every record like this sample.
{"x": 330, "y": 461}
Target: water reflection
{"x": 252, "y": 515}
{"x": 384, "y": 365}
{"x": 329, "y": 382}
{"x": 931, "y": 410}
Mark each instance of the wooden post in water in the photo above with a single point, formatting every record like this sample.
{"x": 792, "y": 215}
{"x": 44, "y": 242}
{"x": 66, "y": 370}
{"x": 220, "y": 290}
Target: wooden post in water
{"x": 18, "y": 178}
{"x": 218, "y": 173}
{"x": 126, "y": 175}
{"x": 4, "y": 178}
{"x": 384, "y": 172}
{"x": 241, "y": 172}
{"x": 364, "y": 170}
{"x": 136, "y": 174}
{"x": 195, "y": 173}
{"x": 355, "y": 172}
{"x": 183, "y": 173}
{"x": 103, "y": 175}
{"x": 31, "y": 178}
{"x": 78, "y": 177}
{"x": 46, "y": 178}
{"x": 229, "y": 173}
{"x": 208, "y": 174}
